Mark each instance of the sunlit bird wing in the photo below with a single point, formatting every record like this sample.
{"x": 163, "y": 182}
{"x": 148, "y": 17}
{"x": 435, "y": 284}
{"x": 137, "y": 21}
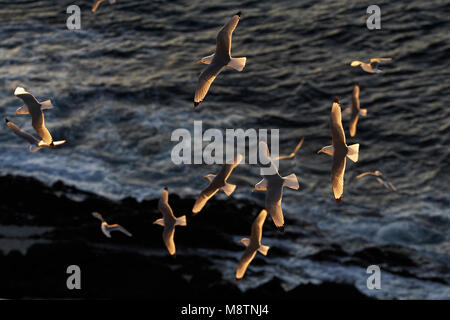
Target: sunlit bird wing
{"x": 205, "y": 81}
{"x": 291, "y": 155}
{"x": 223, "y": 40}
{"x": 247, "y": 257}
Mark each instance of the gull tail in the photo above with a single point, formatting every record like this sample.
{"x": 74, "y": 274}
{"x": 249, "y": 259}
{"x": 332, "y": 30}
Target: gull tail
{"x": 228, "y": 188}
{"x": 181, "y": 221}
{"x": 263, "y": 250}
{"x": 353, "y": 152}
{"x": 363, "y": 112}
{"x": 237, "y": 63}
{"x": 159, "y": 222}
{"x": 291, "y": 181}
{"x": 47, "y": 104}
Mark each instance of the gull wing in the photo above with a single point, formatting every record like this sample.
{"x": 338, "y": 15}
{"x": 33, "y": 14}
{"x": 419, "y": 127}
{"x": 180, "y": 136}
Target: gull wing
{"x": 227, "y": 169}
{"x": 379, "y": 59}
{"x": 96, "y": 5}
{"x": 118, "y": 227}
{"x": 256, "y": 234}
{"x": 352, "y": 125}
{"x": 364, "y": 174}
{"x": 98, "y": 216}
{"x": 337, "y": 131}
{"x": 355, "y": 99}
{"x": 21, "y": 133}
{"x": 247, "y": 257}
{"x": 291, "y": 155}
{"x": 206, "y": 194}
{"x": 168, "y": 235}
{"x": 223, "y": 40}
{"x": 205, "y": 81}
{"x": 164, "y": 207}
{"x": 337, "y": 176}
{"x": 38, "y": 123}
{"x": 26, "y": 97}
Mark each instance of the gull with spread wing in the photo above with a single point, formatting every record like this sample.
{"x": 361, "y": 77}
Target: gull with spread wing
{"x": 168, "y": 221}
{"x": 108, "y": 228}
{"x": 34, "y": 108}
{"x": 34, "y": 143}
{"x": 253, "y": 245}
{"x": 339, "y": 151}
{"x": 380, "y": 178}
{"x": 218, "y": 60}
{"x": 367, "y": 67}
{"x": 355, "y": 111}
{"x": 217, "y": 182}
{"x": 273, "y": 184}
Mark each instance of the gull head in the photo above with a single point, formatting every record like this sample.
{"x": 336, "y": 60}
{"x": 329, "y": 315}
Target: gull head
{"x": 206, "y": 60}
{"x": 19, "y": 90}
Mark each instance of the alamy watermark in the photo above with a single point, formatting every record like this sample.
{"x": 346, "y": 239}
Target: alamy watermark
{"x": 374, "y": 20}
{"x": 73, "y": 22}
{"x": 374, "y": 280}
{"x": 74, "y": 280}
{"x": 222, "y": 147}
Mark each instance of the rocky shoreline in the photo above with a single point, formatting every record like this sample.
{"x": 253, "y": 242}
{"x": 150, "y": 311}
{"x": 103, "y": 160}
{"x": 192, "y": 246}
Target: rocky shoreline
{"x": 115, "y": 269}
{"x": 113, "y": 272}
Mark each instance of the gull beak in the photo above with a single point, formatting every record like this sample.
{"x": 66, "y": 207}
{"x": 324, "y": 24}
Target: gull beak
{"x": 320, "y": 151}
{"x": 254, "y": 189}
{"x": 199, "y": 61}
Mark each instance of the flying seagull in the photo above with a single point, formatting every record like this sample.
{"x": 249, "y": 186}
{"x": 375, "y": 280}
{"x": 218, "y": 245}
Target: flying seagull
{"x": 355, "y": 111}
{"x": 218, "y": 60}
{"x": 339, "y": 150}
{"x": 98, "y": 2}
{"x": 217, "y": 182}
{"x": 34, "y": 108}
{"x": 367, "y": 67}
{"x": 34, "y": 143}
{"x": 273, "y": 185}
{"x": 380, "y": 178}
{"x": 253, "y": 245}
{"x": 108, "y": 228}
{"x": 168, "y": 221}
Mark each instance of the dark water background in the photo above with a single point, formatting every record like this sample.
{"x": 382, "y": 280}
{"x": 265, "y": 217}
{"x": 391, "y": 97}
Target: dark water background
{"x": 123, "y": 83}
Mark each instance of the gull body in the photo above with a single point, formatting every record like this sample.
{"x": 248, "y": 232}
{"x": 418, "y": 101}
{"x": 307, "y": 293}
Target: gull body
{"x": 217, "y": 182}
{"x": 380, "y": 178}
{"x": 339, "y": 151}
{"x": 34, "y": 108}
{"x": 253, "y": 245}
{"x": 218, "y": 60}
{"x": 273, "y": 185}
{"x": 108, "y": 228}
{"x": 168, "y": 221}
{"x": 367, "y": 67}
{"x": 355, "y": 111}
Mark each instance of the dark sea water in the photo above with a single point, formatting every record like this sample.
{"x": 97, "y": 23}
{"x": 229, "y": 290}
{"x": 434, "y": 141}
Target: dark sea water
{"x": 126, "y": 80}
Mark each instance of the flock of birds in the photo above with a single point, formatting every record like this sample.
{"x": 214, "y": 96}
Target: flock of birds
{"x": 273, "y": 184}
